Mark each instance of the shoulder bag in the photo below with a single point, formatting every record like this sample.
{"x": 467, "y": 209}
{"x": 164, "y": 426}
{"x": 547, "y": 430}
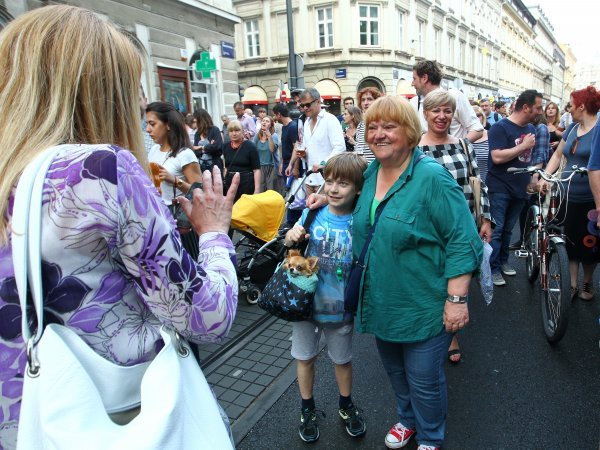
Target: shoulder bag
{"x": 475, "y": 183}
{"x": 72, "y": 396}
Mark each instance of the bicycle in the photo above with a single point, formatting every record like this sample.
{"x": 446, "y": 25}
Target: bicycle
{"x": 544, "y": 251}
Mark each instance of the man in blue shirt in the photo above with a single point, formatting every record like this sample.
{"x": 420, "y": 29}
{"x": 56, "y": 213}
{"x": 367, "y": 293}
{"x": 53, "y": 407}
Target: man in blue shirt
{"x": 511, "y": 144}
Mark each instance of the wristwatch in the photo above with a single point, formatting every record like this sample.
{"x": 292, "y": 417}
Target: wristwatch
{"x": 178, "y": 183}
{"x": 457, "y": 299}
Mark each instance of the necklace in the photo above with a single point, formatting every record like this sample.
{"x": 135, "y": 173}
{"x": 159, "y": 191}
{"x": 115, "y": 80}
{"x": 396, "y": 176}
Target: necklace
{"x": 235, "y": 145}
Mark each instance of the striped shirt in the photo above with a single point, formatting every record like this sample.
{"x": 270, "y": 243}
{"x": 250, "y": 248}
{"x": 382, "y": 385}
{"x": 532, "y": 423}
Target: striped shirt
{"x": 361, "y": 146}
{"x": 482, "y": 153}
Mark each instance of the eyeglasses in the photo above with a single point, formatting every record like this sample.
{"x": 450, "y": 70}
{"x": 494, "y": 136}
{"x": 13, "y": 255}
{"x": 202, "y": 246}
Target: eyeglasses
{"x": 306, "y": 105}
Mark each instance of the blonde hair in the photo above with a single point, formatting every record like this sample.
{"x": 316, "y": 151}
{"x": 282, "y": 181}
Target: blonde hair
{"x": 439, "y": 97}
{"x": 71, "y": 76}
{"x": 395, "y": 109}
{"x": 234, "y": 125}
{"x": 482, "y": 117}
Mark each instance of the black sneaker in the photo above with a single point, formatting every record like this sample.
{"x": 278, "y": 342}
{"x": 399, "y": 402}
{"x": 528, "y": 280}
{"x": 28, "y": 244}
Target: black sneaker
{"x": 355, "y": 425}
{"x": 309, "y": 426}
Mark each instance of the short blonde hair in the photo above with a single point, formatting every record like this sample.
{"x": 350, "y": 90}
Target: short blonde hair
{"x": 76, "y": 78}
{"x": 395, "y": 109}
{"x": 234, "y": 125}
{"x": 439, "y": 97}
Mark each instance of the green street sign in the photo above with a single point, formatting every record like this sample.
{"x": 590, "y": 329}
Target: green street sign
{"x": 205, "y": 65}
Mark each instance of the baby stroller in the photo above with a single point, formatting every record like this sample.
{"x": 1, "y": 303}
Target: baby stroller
{"x": 259, "y": 220}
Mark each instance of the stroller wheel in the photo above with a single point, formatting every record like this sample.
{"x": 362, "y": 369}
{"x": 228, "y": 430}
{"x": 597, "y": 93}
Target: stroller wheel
{"x": 253, "y": 295}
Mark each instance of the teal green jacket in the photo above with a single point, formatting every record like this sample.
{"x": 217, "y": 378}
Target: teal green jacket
{"x": 425, "y": 236}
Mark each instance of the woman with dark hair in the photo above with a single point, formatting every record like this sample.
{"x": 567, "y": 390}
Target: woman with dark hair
{"x": 578, "y": 212}
{"x": 178, "y": 165}
{"x": 267, "y": 144}
{"x": 208, "y": 143}
{"x": 365, "y": 97}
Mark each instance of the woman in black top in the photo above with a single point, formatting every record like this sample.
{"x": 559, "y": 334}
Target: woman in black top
{"x": 208, "y": 143}
{"x": 241, "y": 156}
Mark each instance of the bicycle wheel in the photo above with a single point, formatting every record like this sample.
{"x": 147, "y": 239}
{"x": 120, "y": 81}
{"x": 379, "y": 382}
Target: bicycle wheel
{"x": 531, "y": 244}
{"x": 555, "y": 298}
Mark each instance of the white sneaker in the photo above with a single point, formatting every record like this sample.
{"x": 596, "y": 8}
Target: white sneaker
{"x": 498, "y": 279}
{"x": 508, "y": 270}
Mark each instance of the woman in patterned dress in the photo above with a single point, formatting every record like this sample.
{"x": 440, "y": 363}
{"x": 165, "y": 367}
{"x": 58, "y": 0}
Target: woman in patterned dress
{"x": 114, "y": 270}
{"x": 449, "y": 151}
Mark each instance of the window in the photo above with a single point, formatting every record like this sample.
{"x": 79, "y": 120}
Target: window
{"x": 451, "y": 43}
{"x": 421, "y": 37}
{"x": 252, "y": 44}
{"x": 462, "y": 54}
{"x": 401, "y": 22}
{"x": 369, "y": 24}
{"x": 472, "y": 59}
{"x": 325, "y": 27}
{"x": 437, "y": 44}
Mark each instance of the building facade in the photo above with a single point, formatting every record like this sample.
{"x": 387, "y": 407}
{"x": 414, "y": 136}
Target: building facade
{"x": 570, "y": 72}
{"x": 172, "y": 35}
{"x": 347, "y": 45}
{"x": 488, "y": 48}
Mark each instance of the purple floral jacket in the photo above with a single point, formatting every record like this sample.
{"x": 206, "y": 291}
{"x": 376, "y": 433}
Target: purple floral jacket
{"x": 114, "y": 270}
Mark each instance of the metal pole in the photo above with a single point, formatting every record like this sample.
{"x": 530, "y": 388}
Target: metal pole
{"x": 292, "y": 54}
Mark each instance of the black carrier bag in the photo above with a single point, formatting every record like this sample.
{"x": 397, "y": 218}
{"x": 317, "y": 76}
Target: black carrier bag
{"x": 290, "y": 298}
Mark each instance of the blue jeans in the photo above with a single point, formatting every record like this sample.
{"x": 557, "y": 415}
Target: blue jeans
{"x": 505, "y": 210}
{"x": 416, "y": 372}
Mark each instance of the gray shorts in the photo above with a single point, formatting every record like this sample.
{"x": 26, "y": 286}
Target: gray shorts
{"x": 305, "y": 341}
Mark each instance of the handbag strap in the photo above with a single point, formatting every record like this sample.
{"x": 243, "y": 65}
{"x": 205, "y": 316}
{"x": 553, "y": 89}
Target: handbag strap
{"x": 237, "y": 151}
{"x": 26, "y": 229}
{"x": 363, "y": 253}
{"x": 467, "y": 155}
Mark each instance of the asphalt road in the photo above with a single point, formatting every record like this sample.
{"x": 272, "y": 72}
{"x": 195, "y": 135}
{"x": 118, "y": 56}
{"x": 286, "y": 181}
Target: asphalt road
{"x": 512, "y": 389}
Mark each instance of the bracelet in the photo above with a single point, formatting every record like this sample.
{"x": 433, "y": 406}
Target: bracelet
{"x": 457, "y": 299}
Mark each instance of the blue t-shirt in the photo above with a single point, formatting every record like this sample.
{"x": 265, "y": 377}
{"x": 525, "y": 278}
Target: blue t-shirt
{"x": 505, "y": 135}
{"x": 579, "y": 187}
{"x": 330, "y": 240}
{"x": 594, "y": 162}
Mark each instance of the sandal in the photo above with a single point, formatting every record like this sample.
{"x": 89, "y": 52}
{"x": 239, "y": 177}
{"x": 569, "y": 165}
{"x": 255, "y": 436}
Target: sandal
{"x": 452, "y": 353}
{"x": 587, "y": 293}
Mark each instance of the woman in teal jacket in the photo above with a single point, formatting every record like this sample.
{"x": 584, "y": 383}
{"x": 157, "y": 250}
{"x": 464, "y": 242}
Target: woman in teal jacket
{"x": 418, "y": 268}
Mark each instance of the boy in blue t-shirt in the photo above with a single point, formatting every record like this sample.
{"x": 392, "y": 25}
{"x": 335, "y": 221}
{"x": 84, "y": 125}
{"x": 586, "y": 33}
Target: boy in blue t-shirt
{"x": 330, "y": 239}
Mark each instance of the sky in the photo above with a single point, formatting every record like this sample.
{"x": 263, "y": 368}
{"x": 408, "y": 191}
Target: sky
{"x": 576, "y": 23}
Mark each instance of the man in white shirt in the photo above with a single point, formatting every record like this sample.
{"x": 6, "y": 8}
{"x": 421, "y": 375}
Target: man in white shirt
{"x": 427, "y": 76}
{"x": 323, "y": 137}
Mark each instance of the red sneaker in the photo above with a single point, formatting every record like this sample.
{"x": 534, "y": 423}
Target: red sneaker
{"x": 398, "y": 436}
{"x": 427, "y": 447}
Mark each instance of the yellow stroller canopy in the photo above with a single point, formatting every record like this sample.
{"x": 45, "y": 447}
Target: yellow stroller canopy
{"x": 261, "y": 214}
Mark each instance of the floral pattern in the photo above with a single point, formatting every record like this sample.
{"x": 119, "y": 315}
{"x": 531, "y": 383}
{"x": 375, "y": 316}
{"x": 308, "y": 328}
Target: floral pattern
{"x": 114, "y": 270}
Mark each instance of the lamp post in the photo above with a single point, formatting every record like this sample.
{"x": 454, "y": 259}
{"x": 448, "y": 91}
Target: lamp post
{"x": 292, "y": 52}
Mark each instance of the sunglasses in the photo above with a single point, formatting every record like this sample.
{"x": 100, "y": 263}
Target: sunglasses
{"x": 306, "y": 105}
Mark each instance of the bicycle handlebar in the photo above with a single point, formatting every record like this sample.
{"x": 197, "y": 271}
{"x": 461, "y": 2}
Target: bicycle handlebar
{"x": 546, "y": 176}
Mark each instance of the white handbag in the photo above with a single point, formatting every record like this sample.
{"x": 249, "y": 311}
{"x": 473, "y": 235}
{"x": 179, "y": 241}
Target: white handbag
{"x": 70, "y": 391}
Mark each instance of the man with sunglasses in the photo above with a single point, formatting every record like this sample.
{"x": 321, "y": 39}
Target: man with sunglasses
{"x": 322, "y": 138}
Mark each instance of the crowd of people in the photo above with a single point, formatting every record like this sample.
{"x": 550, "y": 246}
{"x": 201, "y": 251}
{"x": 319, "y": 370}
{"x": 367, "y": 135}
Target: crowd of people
{"x": 397, "y": 197}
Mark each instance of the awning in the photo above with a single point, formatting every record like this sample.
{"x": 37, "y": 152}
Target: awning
{"x": 405, "y": 89}
{"x": 329, "y": 90}
{"x": 255, "y": 95}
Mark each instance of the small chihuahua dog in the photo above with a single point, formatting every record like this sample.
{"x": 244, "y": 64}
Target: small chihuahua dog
{"x": 298, "y": 265}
